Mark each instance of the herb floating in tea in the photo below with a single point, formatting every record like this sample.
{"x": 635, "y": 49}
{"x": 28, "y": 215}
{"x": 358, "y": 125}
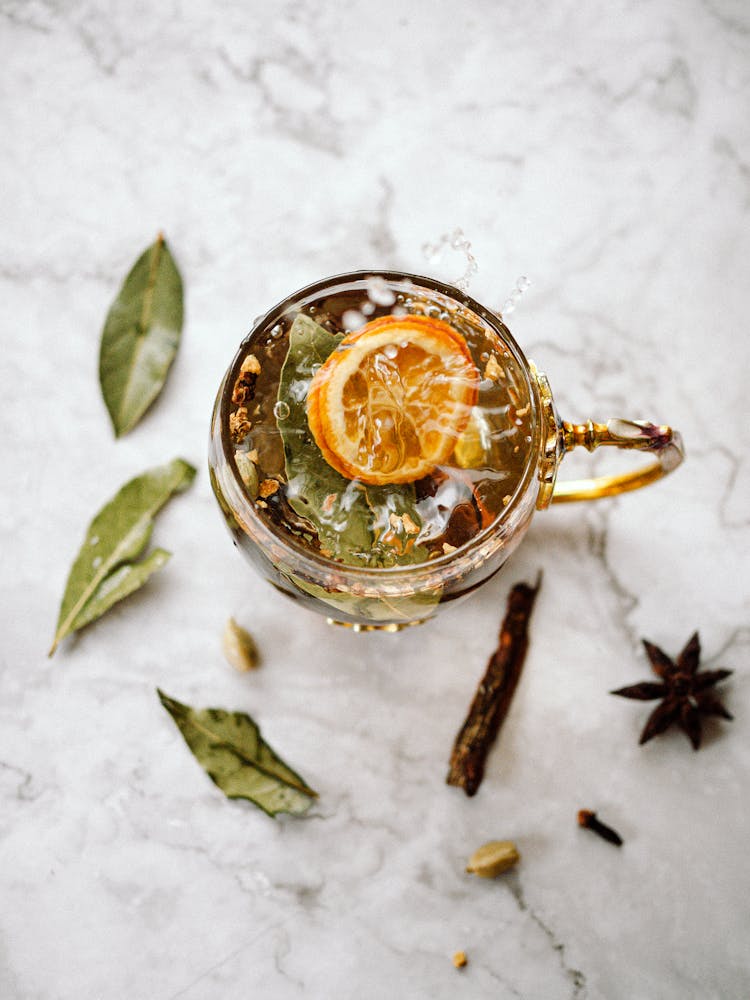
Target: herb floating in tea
{"x": 358, "y": 524}
{"x": 141, "y": 336}
{"x": 232, "y": 752}
{"x": 105, "y": 570}
{"x": 589, "y": 821}
{"x": 495, "y": 692}
{"x": 683, "y": 690}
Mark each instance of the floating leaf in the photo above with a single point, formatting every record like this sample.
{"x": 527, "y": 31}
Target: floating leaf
{"x": 354, "y": 522}
{"x": 140, "y": 337}
{"x": 232, "y": 752}
{"x": 104, "y": 570}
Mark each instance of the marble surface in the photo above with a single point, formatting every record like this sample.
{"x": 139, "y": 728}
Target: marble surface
{"x": 604, "y": 152}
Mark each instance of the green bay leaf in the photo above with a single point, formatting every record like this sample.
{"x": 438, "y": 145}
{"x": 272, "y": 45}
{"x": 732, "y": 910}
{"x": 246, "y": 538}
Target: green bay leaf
{"x": 117, "y": 535}
{"x": 230, "y": 749}
{"x": 120, "y": 583}
{"x": 140, "y": 337}
{"x": 352, "y": 520}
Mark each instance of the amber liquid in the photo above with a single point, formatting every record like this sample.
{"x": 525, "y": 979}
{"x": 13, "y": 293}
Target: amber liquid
{"x": 455, "y": 501}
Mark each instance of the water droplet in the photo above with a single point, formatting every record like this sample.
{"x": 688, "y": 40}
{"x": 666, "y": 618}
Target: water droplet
{"x": 455, "y": 241}
{"x": 96, "y": 562}
{"x": 484, "y": 356}
{"x": 281, "y": 410}
{"x": 390, "y": 350}
{"x": 312, "y": 310}
{"x": 353, "y": 319}
{"x": 368, "y": 308}
{"x": 399, "y": 311}
{"x": 277, "y": 331}
{"x": 509, "y": 306}
{"x": 523, "y": 283}
{"x": 94, "y": 540}
{"x": 379, "y": 292}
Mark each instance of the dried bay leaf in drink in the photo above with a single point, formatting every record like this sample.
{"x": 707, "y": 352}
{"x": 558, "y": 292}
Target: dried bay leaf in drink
{"x": 352, "y": 520}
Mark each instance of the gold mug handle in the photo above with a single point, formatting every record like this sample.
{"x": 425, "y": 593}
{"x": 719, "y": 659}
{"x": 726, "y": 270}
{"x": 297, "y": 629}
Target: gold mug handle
{"x": 663, "y": 443}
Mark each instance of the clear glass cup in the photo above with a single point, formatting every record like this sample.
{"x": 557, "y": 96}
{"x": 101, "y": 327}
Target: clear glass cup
{"x": 395, "y": 596}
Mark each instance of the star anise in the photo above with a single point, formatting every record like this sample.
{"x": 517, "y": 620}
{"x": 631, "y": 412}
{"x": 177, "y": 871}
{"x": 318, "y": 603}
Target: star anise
{"x": 683, "y": 690}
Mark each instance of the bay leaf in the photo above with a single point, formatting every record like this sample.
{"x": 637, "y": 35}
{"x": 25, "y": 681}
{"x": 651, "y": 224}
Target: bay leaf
{"x": 352, "y": 520}
{"x": 120, "y": 583}
{"x": 140, "y": 337}
{"x": 230, "y": 749}
{"x": 104, "y": 570}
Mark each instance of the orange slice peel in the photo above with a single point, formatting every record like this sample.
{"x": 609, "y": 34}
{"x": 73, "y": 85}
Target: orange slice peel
{"x": 391, "y": 401}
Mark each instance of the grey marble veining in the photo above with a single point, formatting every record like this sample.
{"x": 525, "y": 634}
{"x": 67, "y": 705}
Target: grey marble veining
{"x": 602, "y": 150}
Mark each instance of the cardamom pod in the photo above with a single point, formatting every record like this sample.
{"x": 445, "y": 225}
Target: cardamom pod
{"x": 239, "y": 647}
{"x": 493, "y": 858}
{"x": 248, "y": 472}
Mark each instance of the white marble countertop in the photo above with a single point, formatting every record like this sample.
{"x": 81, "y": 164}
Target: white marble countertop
{"x": 604, "y": 151}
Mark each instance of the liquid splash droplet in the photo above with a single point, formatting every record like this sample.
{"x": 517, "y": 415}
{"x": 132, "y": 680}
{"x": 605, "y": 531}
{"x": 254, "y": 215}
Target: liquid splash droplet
{"x": 353, "y": 319}
{"x": 379, "y": 292}
{"x": 454, "y": 241}
{"x": 509, "y": 306}
{"x": 281, "y": 410}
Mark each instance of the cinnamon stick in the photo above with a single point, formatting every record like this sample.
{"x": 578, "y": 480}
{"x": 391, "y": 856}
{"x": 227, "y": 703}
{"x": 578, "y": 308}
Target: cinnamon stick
{"x": 495, "y": 692}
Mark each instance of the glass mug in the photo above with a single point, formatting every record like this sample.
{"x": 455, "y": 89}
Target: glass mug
{"x": 512, "y": 441}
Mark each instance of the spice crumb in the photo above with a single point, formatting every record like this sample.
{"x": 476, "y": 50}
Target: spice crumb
{"x": 268, "y": 487}
{"x": 250, "y": 364}
{"x": 253, "y": 455}
{"x": 460, "y": 959}
{"x": 409, "y": 525}
{"x": 506, "y": 499}
{"x": 492, "y": 369}
{"x": 261, "y": 503}
{"x": 447, "y": 549}
{"x": 239, "y": 425}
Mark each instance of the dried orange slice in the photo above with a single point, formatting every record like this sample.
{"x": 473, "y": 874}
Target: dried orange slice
{"x": 390, "y": 402}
